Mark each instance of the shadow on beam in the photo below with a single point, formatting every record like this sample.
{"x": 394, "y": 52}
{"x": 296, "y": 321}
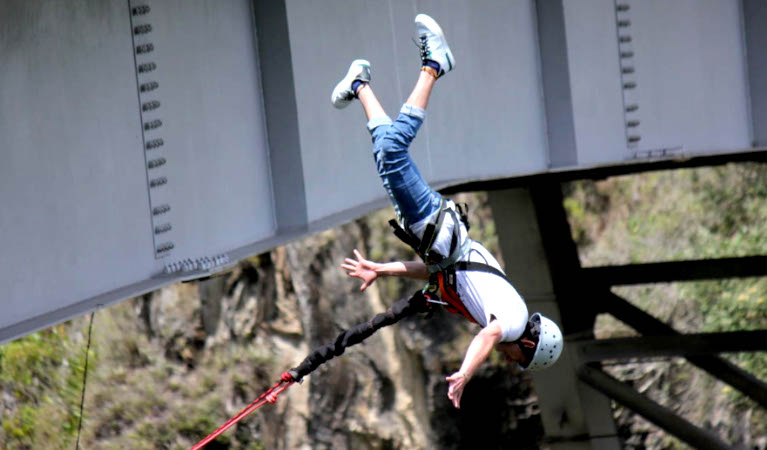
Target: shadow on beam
{"x": 600, "y": 172}
{"x": 661, "y": 272}
{"x": 655, "y": 413}
{"x": 682, "y": 345}
{"x": 725, "y": 371}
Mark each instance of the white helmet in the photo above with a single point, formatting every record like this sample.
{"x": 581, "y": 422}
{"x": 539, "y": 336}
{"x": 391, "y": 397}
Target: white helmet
{"x": 549, "y": 346}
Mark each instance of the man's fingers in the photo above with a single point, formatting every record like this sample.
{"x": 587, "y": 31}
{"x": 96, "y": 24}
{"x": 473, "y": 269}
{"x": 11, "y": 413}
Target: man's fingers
{"x": 358, "y": 254}
{"x": 454, "y": 377}
{"x": 455, "y": 398}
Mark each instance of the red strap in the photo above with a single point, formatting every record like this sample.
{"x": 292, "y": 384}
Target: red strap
{"x": 451, "y": 296}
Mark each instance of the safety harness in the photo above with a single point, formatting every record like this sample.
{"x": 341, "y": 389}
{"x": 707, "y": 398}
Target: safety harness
{"x": 442, "y": 288}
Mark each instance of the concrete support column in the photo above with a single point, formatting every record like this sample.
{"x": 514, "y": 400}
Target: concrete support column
{"x": 574, "y": 415}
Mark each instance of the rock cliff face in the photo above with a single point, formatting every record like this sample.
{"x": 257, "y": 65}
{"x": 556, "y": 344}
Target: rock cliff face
{"x": 388, "y": 392}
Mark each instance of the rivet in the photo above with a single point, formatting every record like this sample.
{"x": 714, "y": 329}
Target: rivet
{"x": 165, "y": 247}
{"x": 150, "y": 86}
{"x": 162, "y": 209}
{"x": 141, "y": 10}
{"x": 142, "y": 29}
{"x": 164, "y": 228}
{"x": 157, "y": 123}
{"x": 148, "y": 106}
{"x": 158, "y": 182}
{"x": 154, "y": 143}
{"x": 146, "y": 67}
{"x": 156, "y": 163}
{"x": 144, "y": 48}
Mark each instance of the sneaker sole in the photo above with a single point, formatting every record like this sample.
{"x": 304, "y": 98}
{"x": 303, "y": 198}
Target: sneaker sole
{"x": 345, "y": 83}
{"x": 434, "y": 26}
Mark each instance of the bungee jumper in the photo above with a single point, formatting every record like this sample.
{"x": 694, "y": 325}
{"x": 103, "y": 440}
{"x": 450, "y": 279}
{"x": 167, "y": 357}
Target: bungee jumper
{"x": 462, "y": 275}
{"x": 465, "y": 277}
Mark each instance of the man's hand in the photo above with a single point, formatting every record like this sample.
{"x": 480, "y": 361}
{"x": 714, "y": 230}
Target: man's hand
{"x": 362, "y": 269}
{"x": 455, "y": 390}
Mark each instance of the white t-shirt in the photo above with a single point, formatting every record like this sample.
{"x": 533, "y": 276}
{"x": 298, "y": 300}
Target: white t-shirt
{"x": 484, "y": 294}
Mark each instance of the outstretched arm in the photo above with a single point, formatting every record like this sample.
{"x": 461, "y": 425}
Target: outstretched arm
{"x": 476, "y": 354}
{"x": 369, "y": 271}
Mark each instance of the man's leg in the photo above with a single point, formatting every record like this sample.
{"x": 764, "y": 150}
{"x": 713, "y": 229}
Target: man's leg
{"x": 370, "y": 103}
{"x": 413, "y": 199}
{"x": 419, "y": 98}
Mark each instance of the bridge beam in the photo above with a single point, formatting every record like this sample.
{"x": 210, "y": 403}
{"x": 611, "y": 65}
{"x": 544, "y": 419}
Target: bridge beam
{"x": 659, "y": 415}
{"x": 664, "y": 272}
{"x": 682, "y": 345}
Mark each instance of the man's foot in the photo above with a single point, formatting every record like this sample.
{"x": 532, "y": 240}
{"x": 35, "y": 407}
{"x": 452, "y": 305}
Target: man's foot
{"x": 343, "y": 93}
{"x": 433, "y": 45}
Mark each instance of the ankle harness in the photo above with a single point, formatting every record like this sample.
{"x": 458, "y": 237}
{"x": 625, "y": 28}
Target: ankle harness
{"x": 442, "y": 280}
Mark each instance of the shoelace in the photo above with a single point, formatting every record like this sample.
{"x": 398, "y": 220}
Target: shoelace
{"x": 423, "y": 45}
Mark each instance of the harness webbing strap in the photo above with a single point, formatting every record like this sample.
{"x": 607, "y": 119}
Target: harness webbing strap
{"x": 450, "y": 295}
{"x": 403, "y": 235}
{"x": 432, "y": 229}
{"x": 423, "y": 246}
{"x": 471, "y": 266}
{"x": 457, "y": 254}
{"x": 448, "y": 285}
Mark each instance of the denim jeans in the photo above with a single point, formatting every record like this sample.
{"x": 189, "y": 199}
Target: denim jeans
{"x": 412, "y": 197}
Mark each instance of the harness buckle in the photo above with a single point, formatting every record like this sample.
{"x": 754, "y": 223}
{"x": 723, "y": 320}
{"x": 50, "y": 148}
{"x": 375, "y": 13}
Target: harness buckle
{"x": 438, "y": 302}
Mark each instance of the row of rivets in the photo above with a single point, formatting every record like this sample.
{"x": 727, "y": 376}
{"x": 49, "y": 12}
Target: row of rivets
{"x": 204, "y": 263}
{"x": 152, "y": 163}
{"x": 141, "y": 32}
{"x": 159, "y": 210}
{"x": 146, "y": 67}
{"x": 148, "y": 106}
{"x": 627, "y": 71}
{"x": 151, "y": 86}
{"x": 141, "y": 10}
{"x": 164, "y": 247}
{"x": 163, "y": 228}
{"x": 154, "y": 143}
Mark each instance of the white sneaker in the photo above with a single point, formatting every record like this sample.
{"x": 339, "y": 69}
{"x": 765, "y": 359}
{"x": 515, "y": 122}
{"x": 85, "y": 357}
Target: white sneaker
{"x": 342, "y": 94}
{"x": 433, "y": 44}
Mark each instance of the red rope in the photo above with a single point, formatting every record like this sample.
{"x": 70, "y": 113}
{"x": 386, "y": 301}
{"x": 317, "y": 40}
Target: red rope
{"x": 270, "y": 396}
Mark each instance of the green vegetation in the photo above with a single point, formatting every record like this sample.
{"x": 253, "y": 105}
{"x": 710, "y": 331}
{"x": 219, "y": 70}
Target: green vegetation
{"x": 43, "y": 373}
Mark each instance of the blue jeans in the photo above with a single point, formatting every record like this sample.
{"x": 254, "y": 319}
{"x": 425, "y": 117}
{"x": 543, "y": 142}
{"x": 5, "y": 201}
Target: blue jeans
{"x": 412, "y": 197}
